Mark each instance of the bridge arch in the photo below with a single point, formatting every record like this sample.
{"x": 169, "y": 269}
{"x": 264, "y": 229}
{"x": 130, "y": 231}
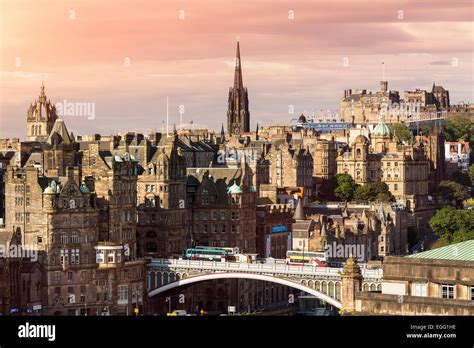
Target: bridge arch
{"x": 242, "y": 275}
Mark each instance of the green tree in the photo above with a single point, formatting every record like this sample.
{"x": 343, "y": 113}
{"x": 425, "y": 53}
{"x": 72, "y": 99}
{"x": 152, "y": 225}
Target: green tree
{"x": 461, "y": 178}
{"x": 327, "y": 188}
{"x": 374, "y": 191}
{"x": 346, "y": 187}
{"x": 453, "y": 225}
{"x": 471, "y": 174}
{"x": 402, "y": 132}
{"x": 459, "y": 129}
{"x": 453, "y": 192}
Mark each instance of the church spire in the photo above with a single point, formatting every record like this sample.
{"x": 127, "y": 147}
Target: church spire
{"x": 238, "y": 115}
{"x": 238, "y": 84}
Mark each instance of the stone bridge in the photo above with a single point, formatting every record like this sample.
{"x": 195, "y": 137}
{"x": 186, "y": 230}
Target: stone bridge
{"x": 326, "y": 283}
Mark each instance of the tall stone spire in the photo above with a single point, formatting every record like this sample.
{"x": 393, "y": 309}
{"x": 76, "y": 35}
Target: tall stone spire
{"x": 238, "y": 115}
{"x": 238, "y": 84}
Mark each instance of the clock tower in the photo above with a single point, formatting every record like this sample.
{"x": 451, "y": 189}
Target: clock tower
{"x": 238, "y": 115}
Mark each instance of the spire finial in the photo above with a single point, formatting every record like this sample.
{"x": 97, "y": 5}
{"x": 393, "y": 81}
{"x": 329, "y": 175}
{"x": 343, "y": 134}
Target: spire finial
{"x": 42, "y": 96}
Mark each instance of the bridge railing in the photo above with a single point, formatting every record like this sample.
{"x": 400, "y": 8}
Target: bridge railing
{"x": 257, "y": 267}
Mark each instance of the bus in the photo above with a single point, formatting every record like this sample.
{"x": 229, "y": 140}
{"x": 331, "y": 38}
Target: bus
{"x": 300, "y": 258}
{"x": 219, "y": 254}
{"x": 206, "y": 254}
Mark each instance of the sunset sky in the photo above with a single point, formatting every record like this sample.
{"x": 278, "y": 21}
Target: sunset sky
{"x": 185, "y": 50}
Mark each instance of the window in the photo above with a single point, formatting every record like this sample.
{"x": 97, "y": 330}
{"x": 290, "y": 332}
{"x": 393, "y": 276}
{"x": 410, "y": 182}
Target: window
{"x": 395, "y": 187}
{"x": 64, "y": 257}
{"x": 99, "y": 257}
{"x": 472, "y": 293}
{"x": 64, "y": 238}
{"x": 447, "y": 291}
{"x": 57, "y": 276}
{"x": 75, "y": 256}
{"x": 123, "y": 293}
{"x": 419, "y": 289}
{"x": 74, "y": 237}
{"x": 111, "y": 257}
{"x": 69, "y": 275}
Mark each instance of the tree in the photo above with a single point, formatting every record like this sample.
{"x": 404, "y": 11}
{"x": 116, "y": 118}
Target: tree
{"x": 327, "y": 188}
{"x": 459, "y": 129}
{"x": 346, "y": 187}
{"x": 453, "y": 225}
{"x": 402, "y": 132}
{"x": 374, "y": 191}
{"x": 461, "y": 178}
{"x": 471, "y": 174}
{"x": 453, "y": 192}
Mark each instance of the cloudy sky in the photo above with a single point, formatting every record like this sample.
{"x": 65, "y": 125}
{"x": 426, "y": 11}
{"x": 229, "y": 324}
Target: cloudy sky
{"x": 127, "y": 57}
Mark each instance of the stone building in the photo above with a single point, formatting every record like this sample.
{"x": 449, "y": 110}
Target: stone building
{"x": 223, "y": 205}
{"x": 113, "y": 179}
{"x": 291, "y": 167}
{"x": 274, "y": 236}
{"x": 66, "y": 232}
{"x": 360, "y": 107}
{"x": 438, "y": 98}
{"x": 404, "y": 168}
{"x": 163, "y": 213}
{"x": 434, "y": 282}
{"x": 79, "y": 214}
{"x": 363, "y": 108}
{"x": 369, "y": 231}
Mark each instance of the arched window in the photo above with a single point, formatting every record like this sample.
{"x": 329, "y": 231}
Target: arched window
{"x": 74, "y": 237}
{"x": 64, "y": 238}
{"x": 358, "y": 152}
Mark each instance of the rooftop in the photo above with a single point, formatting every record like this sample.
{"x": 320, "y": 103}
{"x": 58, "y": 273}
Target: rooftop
{"x": 463, "y": 251}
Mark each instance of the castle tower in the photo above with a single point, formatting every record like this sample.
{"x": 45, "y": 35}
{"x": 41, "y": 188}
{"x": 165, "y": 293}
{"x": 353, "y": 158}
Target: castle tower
{"x": 40, "y": 118}
{"x": 238, "y": 115}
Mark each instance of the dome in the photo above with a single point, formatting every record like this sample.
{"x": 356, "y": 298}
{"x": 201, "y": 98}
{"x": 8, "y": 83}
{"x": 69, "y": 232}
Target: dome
{"x": 49, "y": 191}
{"x": 235, "y": 189}
{"x": 361, "y": 139}
{"x": 381, "y": 129}
{"x": 84, "y": 189}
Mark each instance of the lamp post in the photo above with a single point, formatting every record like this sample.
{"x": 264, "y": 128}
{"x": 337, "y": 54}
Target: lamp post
{"x": 168, "y": 299}
{"x": 304, "y": 245}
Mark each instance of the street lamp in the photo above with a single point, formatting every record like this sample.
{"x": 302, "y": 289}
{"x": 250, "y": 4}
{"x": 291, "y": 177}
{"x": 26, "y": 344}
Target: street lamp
{"x": 168, "y": 299}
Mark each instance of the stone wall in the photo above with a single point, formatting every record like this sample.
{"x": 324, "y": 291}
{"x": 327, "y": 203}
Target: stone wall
{"x": 372, "y": 303}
